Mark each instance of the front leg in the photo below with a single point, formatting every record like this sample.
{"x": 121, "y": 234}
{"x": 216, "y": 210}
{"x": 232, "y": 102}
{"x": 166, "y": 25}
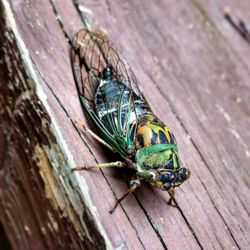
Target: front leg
{"x": 171, "y": 193}
{"x": 117, "y": 164}
{"x": 134, "y": 183}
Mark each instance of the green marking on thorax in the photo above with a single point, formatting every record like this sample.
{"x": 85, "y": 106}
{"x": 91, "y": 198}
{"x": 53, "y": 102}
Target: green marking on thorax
{"x": 157, "y": 159}
{"x": 144, "y": 153}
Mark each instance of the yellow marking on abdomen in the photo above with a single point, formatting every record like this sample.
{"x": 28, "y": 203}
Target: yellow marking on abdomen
{"x": 147, "y": 136}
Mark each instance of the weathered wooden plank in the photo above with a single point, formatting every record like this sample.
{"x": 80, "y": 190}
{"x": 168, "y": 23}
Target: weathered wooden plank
{"x": 39, "y": 206}
{"x": 199, "y": 81}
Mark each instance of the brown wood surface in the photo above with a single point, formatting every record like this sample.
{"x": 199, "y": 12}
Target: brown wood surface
{"x": 194, "y": 69}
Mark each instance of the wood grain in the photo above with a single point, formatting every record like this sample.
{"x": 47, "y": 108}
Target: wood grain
{"x": 194, "y": 70}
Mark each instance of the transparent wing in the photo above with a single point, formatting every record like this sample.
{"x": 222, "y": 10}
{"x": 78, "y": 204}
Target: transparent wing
{"x": 91, "y": 53}
{"x": 116, "y": 114}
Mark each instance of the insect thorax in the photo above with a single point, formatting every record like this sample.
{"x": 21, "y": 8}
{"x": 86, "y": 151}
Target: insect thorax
{"x": 155, "y": 145}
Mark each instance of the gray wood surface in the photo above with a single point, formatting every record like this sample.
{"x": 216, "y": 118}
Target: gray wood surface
{"x": 194, "y": 69}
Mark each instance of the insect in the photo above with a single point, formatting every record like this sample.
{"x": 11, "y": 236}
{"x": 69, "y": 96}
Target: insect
{"x": 125, "y": 123}
{"x": 238, "y": 24}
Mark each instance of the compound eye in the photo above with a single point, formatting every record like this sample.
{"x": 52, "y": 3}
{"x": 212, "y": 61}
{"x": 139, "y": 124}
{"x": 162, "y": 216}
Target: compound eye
{"x": 172, "y": 176}
{"x": 167, "y": 177}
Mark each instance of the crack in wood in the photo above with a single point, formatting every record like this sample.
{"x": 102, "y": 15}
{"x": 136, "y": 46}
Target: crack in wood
{"x": 152, "y": 223}
{"x": 189, "y": 226}
{"x": 220, "y": 215}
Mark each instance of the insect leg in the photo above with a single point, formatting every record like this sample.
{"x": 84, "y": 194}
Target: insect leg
{"x": 135, "y": 182}
{"x": 117, "y": 164}
{"x": 98, "y": 138}
{"x": 171, "y": 192}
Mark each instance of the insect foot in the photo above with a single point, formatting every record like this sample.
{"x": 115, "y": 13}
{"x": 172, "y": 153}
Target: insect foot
{"x": 79, "y": 168}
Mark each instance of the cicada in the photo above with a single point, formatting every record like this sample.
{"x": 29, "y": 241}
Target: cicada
{"x": 123, "y": 120}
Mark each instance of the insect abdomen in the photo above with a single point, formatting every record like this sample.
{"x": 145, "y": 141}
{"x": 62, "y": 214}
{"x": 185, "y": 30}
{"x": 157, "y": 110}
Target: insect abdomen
{"x": 112, "y": 97}
{"x": 115, "y": 101}
{"x": 107, "y": 97}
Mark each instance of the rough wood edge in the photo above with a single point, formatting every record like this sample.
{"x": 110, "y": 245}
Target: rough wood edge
{"x": 63, "y": 196}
